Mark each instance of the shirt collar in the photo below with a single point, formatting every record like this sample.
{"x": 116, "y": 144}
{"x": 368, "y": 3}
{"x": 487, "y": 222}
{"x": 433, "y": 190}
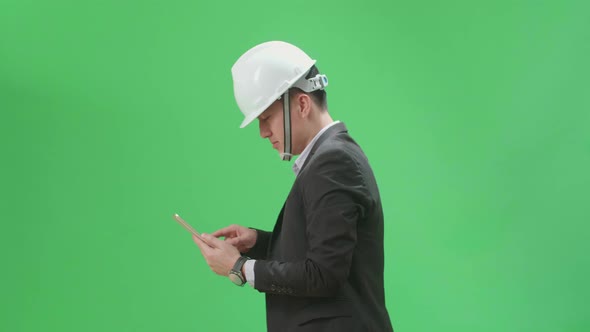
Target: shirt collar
{"x": 303, "y": 156}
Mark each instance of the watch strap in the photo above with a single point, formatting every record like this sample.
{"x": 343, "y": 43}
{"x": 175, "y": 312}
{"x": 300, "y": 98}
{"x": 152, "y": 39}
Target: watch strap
{"x": 237, "y": 269}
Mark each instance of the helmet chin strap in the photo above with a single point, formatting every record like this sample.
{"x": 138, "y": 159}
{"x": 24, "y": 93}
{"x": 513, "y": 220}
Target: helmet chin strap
{"x": 286, "y": 155}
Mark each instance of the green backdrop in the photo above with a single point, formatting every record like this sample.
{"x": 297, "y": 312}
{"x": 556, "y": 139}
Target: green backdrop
{"x": 117, "y": 114}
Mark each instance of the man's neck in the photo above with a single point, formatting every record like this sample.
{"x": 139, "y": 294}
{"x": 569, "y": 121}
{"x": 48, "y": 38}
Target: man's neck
{"x": 323, "y": 120}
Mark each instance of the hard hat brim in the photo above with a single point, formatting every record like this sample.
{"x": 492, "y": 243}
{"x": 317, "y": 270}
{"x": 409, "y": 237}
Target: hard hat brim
{"x": 251, "y": 117}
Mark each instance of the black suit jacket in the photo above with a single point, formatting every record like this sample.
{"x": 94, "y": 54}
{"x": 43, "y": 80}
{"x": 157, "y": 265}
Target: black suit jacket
{"x": 322, "y": 266}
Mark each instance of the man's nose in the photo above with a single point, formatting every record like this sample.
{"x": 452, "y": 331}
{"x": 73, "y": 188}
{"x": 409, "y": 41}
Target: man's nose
{"x": 264, "y": 132}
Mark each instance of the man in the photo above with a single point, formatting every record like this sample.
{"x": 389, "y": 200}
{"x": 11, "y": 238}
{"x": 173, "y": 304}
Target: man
{"x": 322, "y": 265}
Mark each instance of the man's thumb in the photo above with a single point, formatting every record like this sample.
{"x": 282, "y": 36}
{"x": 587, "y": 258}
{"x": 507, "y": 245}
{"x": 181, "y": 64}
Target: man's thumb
{"x": 212, "y": 241}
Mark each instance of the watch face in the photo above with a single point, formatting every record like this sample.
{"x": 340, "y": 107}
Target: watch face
{"x": 235, "y": 279}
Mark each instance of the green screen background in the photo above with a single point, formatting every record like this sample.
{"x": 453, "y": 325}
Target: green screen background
{"x": 117, "y": 114}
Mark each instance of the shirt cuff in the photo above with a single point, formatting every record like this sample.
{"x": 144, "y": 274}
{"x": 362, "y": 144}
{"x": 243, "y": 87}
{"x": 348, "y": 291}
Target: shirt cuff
{"x": 249, "y": 269}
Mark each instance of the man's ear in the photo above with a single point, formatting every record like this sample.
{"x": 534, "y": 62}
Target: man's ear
{"x": 304, "y": 107}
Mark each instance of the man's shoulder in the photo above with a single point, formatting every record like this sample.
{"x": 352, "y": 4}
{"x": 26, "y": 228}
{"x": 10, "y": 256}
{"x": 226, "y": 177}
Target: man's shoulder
{"x": 339, "y": 151}
{"x": 341, "y": 145}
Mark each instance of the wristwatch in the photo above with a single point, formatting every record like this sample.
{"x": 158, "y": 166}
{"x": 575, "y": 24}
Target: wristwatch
{"x": 235, "y": 274}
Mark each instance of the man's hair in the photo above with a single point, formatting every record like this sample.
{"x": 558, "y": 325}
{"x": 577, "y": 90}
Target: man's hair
{"x": 318, "y": 96}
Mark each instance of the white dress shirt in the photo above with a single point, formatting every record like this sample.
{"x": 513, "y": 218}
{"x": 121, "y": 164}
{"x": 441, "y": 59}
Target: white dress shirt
{"x": 249, "y": 265}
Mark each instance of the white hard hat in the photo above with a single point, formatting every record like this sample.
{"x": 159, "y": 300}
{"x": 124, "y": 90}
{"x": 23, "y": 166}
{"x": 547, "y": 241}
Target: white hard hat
{"x": 266, "y": 71}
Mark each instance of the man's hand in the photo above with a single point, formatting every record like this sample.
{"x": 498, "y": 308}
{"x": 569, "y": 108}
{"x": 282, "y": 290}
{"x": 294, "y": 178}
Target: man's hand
{"x": 238, "y": 236}
{"x": 220, "y": 256}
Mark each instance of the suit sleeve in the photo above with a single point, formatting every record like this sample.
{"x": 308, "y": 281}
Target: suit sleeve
{"x": 335, "y": 199}
{"x": 259, "y": 251}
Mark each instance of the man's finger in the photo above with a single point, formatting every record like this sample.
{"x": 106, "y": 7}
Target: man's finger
{"x": 226, "y": 231}
{"x": 233, "y": 241}
{"x": 204, "y": 246}
{"x": 212, "y": 241}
